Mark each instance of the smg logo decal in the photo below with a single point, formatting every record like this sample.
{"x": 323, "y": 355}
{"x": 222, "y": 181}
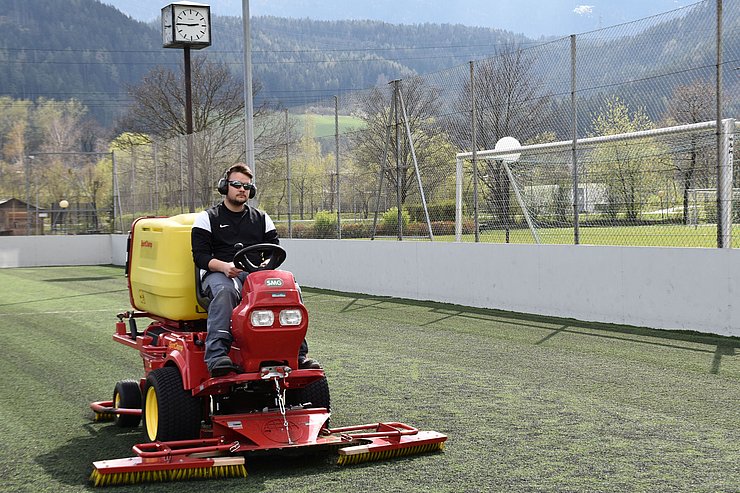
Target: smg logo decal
{"x": 273, "y": 282}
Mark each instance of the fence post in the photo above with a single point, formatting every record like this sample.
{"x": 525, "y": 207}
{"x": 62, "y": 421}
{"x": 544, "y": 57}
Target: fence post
{"x": 116, "y": 195}
{"x": 27, "y": 171}
{"x": 726, "y": 135}
{"x": 474, "y": 148}
{"x": 721, "y": 216}
{"x": 574, "y": 150}
{"x": 458, "y": 199}
{"x": 288, "y": 184}
{"x": 156, "y": 174}
{"x": 336, "y": 157}
{"x": 397, "y": 88}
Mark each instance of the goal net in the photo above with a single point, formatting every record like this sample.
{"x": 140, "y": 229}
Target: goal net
{"x": 640, "y": 188}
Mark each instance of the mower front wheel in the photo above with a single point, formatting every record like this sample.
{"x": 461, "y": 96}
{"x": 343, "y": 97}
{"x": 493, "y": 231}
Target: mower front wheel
{"x": 127, "y": 395}
{"x": 170, "y": 411}
{"x": 317, "y": 393}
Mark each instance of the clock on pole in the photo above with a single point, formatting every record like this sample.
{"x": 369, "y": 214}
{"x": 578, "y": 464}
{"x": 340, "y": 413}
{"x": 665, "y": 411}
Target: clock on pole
{"x": 187, "y": 25}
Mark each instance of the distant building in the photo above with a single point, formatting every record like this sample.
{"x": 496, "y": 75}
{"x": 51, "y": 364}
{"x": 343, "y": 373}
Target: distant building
{"x": 592, "y": 197}
{"x": 15, "y": 220}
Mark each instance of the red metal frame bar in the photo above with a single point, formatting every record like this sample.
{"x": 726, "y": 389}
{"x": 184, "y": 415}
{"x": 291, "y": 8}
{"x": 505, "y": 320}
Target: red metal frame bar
{"x": 107, "y": 407}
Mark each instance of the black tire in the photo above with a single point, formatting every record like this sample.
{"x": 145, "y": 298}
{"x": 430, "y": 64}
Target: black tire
{"x": 170, "y": 412}
{"x": 127, "y": 395}
{"x": 317, "y": 393}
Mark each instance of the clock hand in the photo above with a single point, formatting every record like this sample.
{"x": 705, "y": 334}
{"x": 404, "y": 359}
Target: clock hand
{"x": 185, "y": 24}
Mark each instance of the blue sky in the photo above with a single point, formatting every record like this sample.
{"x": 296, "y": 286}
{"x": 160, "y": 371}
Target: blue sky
{"x": 534, "y": 18}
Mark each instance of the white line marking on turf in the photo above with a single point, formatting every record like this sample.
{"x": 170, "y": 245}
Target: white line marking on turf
{"x": 54, "y": 313}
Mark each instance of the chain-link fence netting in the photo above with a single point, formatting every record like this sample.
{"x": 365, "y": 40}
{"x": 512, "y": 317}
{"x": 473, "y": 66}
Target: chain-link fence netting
{"x": 381, "y": 162}
{"x": 654, "y": 187}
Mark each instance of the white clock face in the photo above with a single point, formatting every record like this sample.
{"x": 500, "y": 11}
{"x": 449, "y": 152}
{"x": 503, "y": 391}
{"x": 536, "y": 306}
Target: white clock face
{"x": 191, "y": 25}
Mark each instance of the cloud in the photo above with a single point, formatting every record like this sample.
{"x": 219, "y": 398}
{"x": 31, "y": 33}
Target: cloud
{"x": 584, "y": 9}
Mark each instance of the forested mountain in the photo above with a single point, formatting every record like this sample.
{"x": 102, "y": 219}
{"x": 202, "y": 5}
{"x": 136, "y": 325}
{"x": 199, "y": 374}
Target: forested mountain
{"x": 298, "y": 60}
{"x": 73, "y": 49}
{"x": 92, "y": 52}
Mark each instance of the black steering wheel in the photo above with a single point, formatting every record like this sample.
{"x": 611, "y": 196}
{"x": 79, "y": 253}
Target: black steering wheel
{"x": 276, "y": 253}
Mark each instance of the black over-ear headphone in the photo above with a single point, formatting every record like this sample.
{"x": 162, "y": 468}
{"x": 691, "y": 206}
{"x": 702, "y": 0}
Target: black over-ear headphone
{"x": 223, "y": 185}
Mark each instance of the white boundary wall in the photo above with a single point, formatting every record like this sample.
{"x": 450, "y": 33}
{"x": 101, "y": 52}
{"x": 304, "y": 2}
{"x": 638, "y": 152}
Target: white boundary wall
{"x": 670, "y": 288}
{"x": 37, "y": 251}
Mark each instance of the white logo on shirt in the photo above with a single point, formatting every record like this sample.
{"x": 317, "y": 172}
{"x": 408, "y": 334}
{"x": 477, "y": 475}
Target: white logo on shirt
{"x": 224, "y": 225}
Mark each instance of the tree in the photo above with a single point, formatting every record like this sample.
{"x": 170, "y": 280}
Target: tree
{"x": 508, "y": 102}
{"x": 433, "y": 150}
{"x": 13, "y": 126}
{"x": 60, "y": 134}
{"x": 629, "y": 168}
{"x": 691, "y": 103}
{"x": 158, "y": 105}
{"x": 311, "y": 167}
{"x": 57, "y": 125}
{"x": 218, "y": 120}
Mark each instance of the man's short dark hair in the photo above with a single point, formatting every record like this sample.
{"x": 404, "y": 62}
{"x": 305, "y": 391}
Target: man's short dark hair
{"x": 239, "y": 168}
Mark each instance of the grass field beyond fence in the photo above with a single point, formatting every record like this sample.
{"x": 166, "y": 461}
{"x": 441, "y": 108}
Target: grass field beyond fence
{"x": 529, "y": 403}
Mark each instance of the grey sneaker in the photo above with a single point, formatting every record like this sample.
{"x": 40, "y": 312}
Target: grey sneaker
{"x": 222, "y": 366}
{"x": 309, "y": 364}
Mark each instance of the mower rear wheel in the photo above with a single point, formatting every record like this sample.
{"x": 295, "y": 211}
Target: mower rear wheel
{"x": 127, "y": 395}
{"x": 170, "y": 411}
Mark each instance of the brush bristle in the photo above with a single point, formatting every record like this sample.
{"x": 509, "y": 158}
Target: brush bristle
{"x": 104, "y": 417}
{"x": 389, "y": 454}
{"x": 187, "y": 474}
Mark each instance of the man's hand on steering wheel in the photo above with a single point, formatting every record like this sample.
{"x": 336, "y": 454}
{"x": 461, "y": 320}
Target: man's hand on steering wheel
{"x": 276, "y": 256}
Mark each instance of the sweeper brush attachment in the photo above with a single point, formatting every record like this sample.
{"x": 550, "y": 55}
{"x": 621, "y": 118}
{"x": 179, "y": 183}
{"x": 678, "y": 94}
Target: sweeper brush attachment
{"x": 157, "y": 462}
{"x": 221, "y": 468}
{"x": 361, "y": 453}
{"x": 102, "y": 417}
{"x": 387, "y": 441}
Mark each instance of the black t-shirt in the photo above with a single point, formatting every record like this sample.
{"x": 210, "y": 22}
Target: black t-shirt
{"x": 217, "y": 230}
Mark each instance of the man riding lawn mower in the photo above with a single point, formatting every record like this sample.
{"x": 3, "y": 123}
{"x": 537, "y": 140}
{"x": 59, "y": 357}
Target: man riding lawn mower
{"x": 199, "y": 426}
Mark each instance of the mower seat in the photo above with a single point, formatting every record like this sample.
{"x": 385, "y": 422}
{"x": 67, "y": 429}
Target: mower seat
{"x": 200, "y": 296}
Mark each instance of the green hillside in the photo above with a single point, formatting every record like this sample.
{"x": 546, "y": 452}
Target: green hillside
{"x": 91, "y": 51}
{"x": 324, "y": 125}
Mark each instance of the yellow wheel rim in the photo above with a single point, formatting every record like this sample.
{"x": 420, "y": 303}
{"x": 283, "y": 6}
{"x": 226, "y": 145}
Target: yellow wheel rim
{"x": 152, "y": 413}
{"x": 117, "y": 403}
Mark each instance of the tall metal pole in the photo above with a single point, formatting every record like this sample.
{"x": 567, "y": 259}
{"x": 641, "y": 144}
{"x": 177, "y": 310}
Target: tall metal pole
{"x": 114, "y": 192}
{"x": 384, "y": 162}
{"x": 574, "y": 131}
{"x": 249, "y": 105}
{"x": 189, "y": 130}
{"x": 397, "y": 88}
{"x": 27, "y": 169}
{"x": 336, "y": 157}
{"x": 474, "y": 148}
{"x": 724, "y": 188}
{"x": 156, "y": 175}
{"x": 416, "y": 164}
{"x": 721, "y": 206}
{"x": 288, "y": 184}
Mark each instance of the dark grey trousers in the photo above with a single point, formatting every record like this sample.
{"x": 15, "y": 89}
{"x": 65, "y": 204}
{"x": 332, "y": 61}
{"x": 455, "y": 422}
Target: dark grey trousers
{"x": 225, "y": 295}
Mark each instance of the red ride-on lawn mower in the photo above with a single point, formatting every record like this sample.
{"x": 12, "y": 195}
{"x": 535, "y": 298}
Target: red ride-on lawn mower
{"x": 202, "y": 427}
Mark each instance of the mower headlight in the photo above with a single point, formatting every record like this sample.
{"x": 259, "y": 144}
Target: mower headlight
{"x": 262, "y": 318}
{"x": 290, "y": 317}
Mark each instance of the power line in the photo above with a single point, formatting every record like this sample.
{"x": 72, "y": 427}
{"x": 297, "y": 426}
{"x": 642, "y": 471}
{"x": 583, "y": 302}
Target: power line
{"x": 345, "y": 49}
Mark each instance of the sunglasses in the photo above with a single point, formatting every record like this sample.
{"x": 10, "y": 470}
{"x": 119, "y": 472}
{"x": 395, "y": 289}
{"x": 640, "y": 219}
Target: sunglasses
{"x": 237, "y": 184}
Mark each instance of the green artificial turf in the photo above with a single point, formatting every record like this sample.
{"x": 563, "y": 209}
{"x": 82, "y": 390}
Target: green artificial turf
{"x": 529, "y": 403}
